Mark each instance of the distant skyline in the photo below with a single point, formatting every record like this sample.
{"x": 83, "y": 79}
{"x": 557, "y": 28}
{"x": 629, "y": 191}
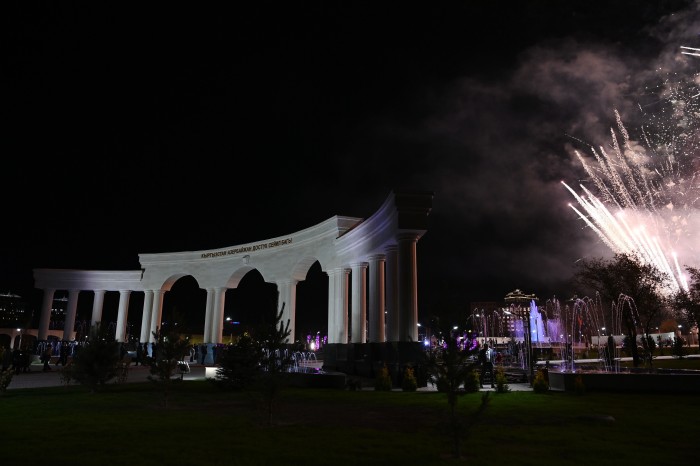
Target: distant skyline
{"x": 153, "y": 129}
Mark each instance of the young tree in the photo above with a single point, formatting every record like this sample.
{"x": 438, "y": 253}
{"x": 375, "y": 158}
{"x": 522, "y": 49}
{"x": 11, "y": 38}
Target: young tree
{"x": 259, "y": 362}
{"x": 97, "y": 361}
{"x": 449, "y": 366}
{"x": 170, "y": 352}
{"x": 274, "y": 361}
{"x": 626, "y": 277}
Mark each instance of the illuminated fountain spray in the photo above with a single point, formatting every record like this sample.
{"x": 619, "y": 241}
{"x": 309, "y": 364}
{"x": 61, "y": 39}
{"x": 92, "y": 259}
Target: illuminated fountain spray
{"x": 538, "y": 333}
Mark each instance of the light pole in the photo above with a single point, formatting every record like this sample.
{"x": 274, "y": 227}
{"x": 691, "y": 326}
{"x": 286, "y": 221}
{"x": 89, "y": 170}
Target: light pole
{"x": 520, "y": 308}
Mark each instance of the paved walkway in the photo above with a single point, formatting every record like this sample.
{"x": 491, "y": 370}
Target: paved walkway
{"x": 37, "y": 378}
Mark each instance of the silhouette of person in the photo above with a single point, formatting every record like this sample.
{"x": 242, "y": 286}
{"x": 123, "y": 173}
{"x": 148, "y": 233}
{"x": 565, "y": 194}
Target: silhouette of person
{"x": 139, "y": 354}
{"x": 203, "y": 350}
{"x": 46, "y": 357}
{"x": 486, "y": 359}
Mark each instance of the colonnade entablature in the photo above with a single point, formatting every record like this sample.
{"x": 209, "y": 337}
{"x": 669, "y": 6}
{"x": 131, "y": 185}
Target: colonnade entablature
{"x": 350, "y": 250}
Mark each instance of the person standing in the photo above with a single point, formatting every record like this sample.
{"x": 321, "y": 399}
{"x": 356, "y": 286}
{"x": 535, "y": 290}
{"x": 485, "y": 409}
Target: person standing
{"x": 203, "y": 351}
{"x": 17, "y": 360}
{"x": 63, "y": 353}
{"x": 486, "y": 360}
{"x": 46, "y": 357}
{"x": 139, "y": 354}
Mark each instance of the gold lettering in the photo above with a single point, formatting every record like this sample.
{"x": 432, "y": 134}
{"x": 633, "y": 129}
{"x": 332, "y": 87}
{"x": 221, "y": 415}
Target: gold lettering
{"x": 255, "y": 247}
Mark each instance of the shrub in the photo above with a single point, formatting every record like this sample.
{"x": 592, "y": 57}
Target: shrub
{"x": 409, "y": 382}
{"x": 383, "y": 380}
{"x": 471, "y": 382}
{"x": 66, "y": 374}
{"x": 354, "y": 385}
{"x": 501, "y": 380}
{"x": 540, "y": 384}
{"x": 5, "y": 379}
{"x": 678, "y": 348}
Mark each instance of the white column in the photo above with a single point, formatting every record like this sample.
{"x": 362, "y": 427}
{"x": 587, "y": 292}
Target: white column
{"x": 376, "y": 299}
{"x": 146, "y": 317}
{"x": 408, "y": 287}
{"x": 217, "y": 325}
{"x": 207, "y": 337}
{"x": 45, "y": 318}
{"x": 338, "y": 280}
{"x": 71, "y": 309}
{"x": 359, "y": 303}
{"x": 97, "y": 306}
{"x": 333, "y": 331}
{"x": 122, "y": 315}
{"x": 392, "y": 293}
{"x": 288, "y": 296}
{"x": 156, "y": 313}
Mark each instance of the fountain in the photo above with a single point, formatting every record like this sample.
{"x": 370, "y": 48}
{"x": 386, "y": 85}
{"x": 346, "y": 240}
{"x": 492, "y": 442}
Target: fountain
{"x": 578, "y": 339}
{"x": 303, "y": 370}
{"x": 583, "y": 325}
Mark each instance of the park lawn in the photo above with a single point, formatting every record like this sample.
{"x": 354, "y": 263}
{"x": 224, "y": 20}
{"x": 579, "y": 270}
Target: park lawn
{"x": 128, "y": 424}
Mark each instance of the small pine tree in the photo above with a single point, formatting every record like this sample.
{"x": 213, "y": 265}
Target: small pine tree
{"x": 449, "y": 365}
{"x": 409, "y": 382}
{"x": 274, "y": 361}
{"x": 383, "y": 380}
{"x": 239, "y": 364}
{"x": 97, "y": 361}
{"x": 170, "y": 351}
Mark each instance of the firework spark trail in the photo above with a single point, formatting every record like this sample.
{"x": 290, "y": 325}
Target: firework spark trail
{"x": 615, "y": 231}
{"x": 691, "y": 51}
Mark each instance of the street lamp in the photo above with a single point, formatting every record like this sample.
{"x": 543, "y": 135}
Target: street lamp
{"x": 520, "y": 308}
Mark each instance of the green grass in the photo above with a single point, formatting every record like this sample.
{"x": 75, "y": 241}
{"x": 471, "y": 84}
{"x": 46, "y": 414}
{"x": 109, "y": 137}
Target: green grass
{"x": 127, "y": 424}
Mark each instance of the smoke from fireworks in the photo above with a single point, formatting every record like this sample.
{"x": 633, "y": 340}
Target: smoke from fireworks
{"x": 647, "y": 194}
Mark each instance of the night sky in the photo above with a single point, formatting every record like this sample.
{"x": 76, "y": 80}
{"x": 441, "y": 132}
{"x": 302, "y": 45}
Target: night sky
{"x": 142, "y": 129}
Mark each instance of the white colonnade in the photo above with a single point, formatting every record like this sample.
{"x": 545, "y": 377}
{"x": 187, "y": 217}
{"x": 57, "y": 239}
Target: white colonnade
{"x": 371, "y": 264}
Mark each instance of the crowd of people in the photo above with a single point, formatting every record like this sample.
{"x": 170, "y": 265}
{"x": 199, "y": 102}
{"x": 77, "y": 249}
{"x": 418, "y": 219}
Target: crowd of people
{"x": 59, "y": 353}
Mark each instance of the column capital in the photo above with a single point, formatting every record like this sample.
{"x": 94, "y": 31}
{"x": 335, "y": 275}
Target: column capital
{"x": 338, "y": 271}
{"x": 359, "y": 265}
{"x": 408, "y": 236}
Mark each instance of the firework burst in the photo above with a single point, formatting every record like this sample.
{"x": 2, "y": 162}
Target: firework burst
{"x": 647, "y": 192}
